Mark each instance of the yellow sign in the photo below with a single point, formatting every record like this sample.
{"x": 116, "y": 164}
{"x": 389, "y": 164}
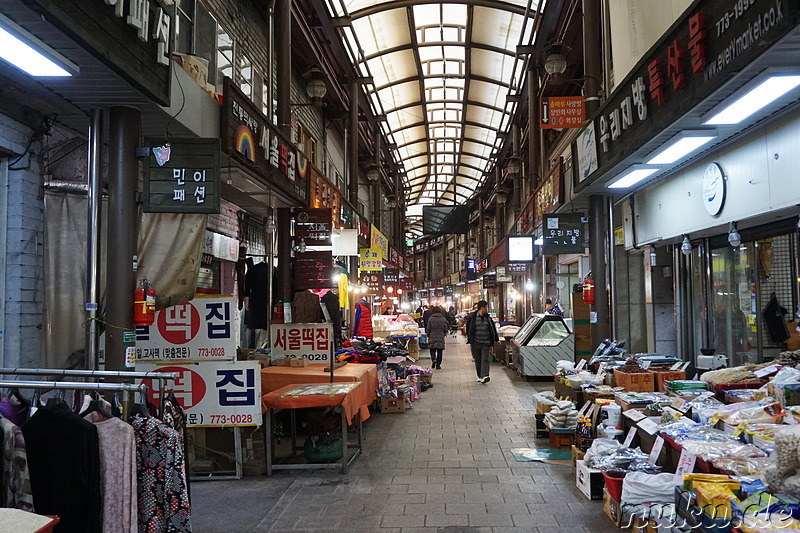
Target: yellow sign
{"x": 378, "y": 240}
{"x": 619, "y": 237}
{"x": 370, "y": 259}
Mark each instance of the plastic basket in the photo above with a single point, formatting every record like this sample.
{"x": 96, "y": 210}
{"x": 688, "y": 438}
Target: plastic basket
{"x": 614, "y": 484}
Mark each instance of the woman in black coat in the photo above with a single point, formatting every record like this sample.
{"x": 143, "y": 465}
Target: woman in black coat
{"x": 437, "y": 327}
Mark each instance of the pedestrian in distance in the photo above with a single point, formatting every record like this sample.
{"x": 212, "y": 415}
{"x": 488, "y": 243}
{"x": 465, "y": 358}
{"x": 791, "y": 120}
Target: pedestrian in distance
{"x": 437, "y": 328}
{"x": 481, "y": 336}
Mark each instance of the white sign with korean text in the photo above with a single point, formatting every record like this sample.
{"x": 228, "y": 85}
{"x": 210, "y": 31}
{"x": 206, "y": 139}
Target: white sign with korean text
{"x": 311, "y": 341}
{"x": 213, "y": 394}
{"x": 204, "y": 329}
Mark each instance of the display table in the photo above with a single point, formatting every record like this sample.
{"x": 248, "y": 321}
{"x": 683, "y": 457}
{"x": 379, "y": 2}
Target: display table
{"x": 345, "y": 397}
{"x": 276, "y": 377}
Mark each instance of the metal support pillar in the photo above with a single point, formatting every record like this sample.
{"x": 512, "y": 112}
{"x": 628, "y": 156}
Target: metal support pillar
{"x": 592, "y": 54}
{"x": 534, "y": 158}
{"x": 376, "y": 185}
{"x": 123, "y": 176}
{"x": 481, "y": 234}
{"x": 284, "y": 254}
{"x": 597, "y": 251}
{"x": 95, "y": 188}
{"x": 352, "y": 144}
{"x": 283, "y": 47}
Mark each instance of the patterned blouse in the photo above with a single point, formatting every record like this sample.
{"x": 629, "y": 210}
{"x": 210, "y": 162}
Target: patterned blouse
{"x": 163, "y": 496}
{"x": 16, "y": 489}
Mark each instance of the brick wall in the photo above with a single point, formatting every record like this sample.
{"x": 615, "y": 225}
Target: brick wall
{"x": 23, "y": 249}
{"x": 226, "y": 222}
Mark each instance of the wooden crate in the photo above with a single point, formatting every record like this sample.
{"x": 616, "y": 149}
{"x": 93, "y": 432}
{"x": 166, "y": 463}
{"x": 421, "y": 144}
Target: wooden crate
{"x": 638, "y": 382}
{"x": 662, "y": 376}
{"x": 561, "y": 441}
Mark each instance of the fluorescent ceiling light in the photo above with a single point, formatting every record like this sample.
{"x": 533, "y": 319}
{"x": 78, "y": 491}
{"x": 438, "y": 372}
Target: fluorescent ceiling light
{"x": 765, "y": 93}
{"x": 632, "y": 178}
{"x": 25, "y": 57}
{"x": 680, "y": 148}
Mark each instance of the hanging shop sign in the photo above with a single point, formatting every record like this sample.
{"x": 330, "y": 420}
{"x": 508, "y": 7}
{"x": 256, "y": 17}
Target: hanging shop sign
{"x": 691, "y": 62}
{"x": 313, "y": 270}
{"x": 391, "y": 277}
{"x": 372, "y": 282}
{"x": 204, "y": 329}
{"x": 407, "y": 284}
{"x": 586, "y": 150}
{"x": 563, "y": 234}
{"x": 302, "y": 341}
{"x": 220, "y": 246}
{"x": 369, "y": 260}
{"x": 131, "y": 38}
{"x": 438, "y": 293}
{"x": 182, "y": 176}
{"x": 213, "y": 394}
{"x": 323, "y": 193}
{"x": 549, "y": 196}
{"x": 314, "y": 226}
{"x": 395, "y": 258}
{"x": 379, "y": 241}
{"x": 347, "y": 216}
{"x": 482, "y": 265}
{"x": 455, "y": 277}
{"x": 363, "y": 230}
{"x": 504, "y": 279}
{"x": 250, "y": 139}
{"x": 713, "y": 189}
{"x": 562, "y": 112}
{"x": 517, "y": 268}
{"x": 449, "y": 290}
{"x": 520, "y": 249}
{"x": 490, "y": 281}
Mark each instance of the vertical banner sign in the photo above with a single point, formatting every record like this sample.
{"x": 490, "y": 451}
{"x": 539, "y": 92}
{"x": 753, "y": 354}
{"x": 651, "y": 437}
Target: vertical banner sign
{"x": 563, "y": 112}
{"x": 213, "y": 394}
{"x": 379, "y": 241}
{"x": 449, "y": 290}
{"x": 562, "y": 234}
{"x": 313, "y": 270}
{"x": 490, "y": 281}
{"x": 391, "y": 277}
{"x": 307, "y": 341}
{"x": 201, "y": 330}
{"x": 182, "y": 176}
{"x": 372, "y": 282}
{"x": 314, "y": 226}
{"x": 369, "y": 259}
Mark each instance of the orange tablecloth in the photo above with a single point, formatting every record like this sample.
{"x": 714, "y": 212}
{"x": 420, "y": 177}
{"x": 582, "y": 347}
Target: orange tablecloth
{"x": 276, "y": 377}
{"x": 278, "y": 400}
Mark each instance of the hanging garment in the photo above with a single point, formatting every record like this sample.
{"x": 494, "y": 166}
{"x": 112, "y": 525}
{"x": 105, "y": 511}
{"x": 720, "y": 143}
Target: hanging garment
{"x": 13, "y": 409}
{"x": 64, "y": 464}
{"x": 437, "y": 328}
{"x": 344, "y": 293}
{"x": 163, "y": 496}
{"x": 362, "y": 323}
{"x": 331, "y": 301}
{"x": 117, "y": 471}
{"x": 175, "y": 418}
{"x": 773, "y": 318}
{"x": 257, "y": 292}
{"x": 305, "y": 307}
{"x": 16, "y": 489}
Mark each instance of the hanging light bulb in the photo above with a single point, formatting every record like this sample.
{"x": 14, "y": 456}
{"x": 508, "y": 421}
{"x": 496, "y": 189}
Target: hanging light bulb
{"x": 686, "y": 246}
{"x": 733, "y": 235}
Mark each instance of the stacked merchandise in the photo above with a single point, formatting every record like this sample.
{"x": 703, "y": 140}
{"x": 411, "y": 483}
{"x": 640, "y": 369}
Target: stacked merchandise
{"x": 363, "y": 350}
{"x": 562, "y": 415}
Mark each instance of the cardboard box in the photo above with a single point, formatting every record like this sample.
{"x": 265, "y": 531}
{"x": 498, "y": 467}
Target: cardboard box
{"x": 662, "y": 376}
{"x": 577, "y": 455}
{"x": 589, "y": 481}
{"x": 788, "y": 394}
{"x": 638, "y": 382}
{"x": 611, "y": 508}
{"x": 393, "y": 405}
{"x": 291, "y": 361}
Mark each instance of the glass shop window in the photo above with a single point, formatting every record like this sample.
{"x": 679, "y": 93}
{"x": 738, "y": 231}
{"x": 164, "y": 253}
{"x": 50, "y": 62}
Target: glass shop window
{"x": 309, "y": 144}
{"x": 244, "y": 75}
{"x": 184, "y": 26}
{"x": 205, "y": 42}
{"x": 224, "y": 56}
{"x": 265, "y": 97}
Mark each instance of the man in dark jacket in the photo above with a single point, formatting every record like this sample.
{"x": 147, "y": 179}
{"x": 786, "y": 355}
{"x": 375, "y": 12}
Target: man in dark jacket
{"x": 481, "y": 336}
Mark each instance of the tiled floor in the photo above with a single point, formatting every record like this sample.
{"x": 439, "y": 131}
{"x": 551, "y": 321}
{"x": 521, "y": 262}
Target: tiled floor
{"x": 444, "y": 466}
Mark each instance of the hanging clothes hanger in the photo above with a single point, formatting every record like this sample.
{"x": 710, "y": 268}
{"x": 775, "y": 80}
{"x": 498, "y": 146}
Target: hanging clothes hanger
{"x": 116, "y": 408}
{"x": 140, "y": 408}
{"x": 96, "y": 406}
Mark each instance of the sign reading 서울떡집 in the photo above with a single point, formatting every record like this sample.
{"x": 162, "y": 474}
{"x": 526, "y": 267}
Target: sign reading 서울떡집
{"x": 201, "y": 330}
{"x": 308, "y": 341}
{"x": 182, "y": 176}
{"x": 213, "y": 394}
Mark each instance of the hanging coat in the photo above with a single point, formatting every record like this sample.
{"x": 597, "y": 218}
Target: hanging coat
{"x": 362, "y": 323}
{"x": 437, "y": 328}
{"x": 773, "y": 318}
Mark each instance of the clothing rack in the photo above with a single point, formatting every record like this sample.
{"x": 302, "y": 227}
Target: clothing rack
{"x": 160, "y": 376}
{"x": 71, "y": 385}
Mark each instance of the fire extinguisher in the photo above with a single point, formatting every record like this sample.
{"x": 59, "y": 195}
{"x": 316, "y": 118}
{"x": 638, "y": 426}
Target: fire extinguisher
{"x": 144, "y": 304}
{"x": 588, "y": 290}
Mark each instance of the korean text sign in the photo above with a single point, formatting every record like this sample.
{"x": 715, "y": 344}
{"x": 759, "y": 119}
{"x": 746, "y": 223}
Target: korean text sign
{"x": 201, "y": 330}
{"x": 182, "y": 176}
{"x": 562, "y": 234}
{"x": 563, "y": 112}
{"x": 309, "y": 341}
{"x": 214, "y": 394}
{"x": 370, "y": 259}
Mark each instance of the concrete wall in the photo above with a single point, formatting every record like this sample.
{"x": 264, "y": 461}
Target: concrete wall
{"x": 636, "y": 25}
{"x": 22, "y": 250}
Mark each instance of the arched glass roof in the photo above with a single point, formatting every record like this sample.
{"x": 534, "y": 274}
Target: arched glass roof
{"x": 442, "y": 73}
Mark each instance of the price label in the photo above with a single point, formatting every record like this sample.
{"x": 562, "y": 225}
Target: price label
{"x": 656, "y": 451}
{"x": 704, "y": 395}
{"x": 714, "y": 419}
{"x": 739, "y": 429}
{"x": 581, "y": 365}
{"x": 685, "y": 466}
{"x": 680, "y": 404}
{"x": 676, "y": 365}
{"x": 634, "y": 414}
{"x": 771, "y": 369}
{"x": 585, "y": 408}
{"x": 685, "y": 365}
{"x": 629, "y": 437}
{"x": 645, "y": 364}
{"x": 649, "y": 426}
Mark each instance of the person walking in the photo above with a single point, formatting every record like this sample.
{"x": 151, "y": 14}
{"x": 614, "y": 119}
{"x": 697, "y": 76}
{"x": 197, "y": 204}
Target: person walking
{"x": 437, "y": 329}
{"x": 481, "y": 336}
